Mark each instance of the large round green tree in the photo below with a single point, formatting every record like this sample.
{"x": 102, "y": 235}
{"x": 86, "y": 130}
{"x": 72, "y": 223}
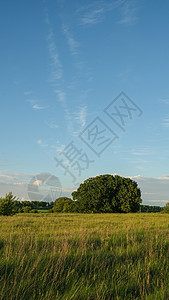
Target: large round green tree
{"x": 108, "y": 193}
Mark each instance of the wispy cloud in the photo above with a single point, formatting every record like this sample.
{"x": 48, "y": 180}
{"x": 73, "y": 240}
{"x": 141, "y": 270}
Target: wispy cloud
{"x": 59, "y": 147}
{"x": 52, "y": 124}
{"x": 3, "y": 162}
{"x": 68, "y": 116}
{"x": 38, "y": 107}
{"x": 96, "y": 12}
{"x": 13, "y": 178}
{"x": 157, "y": 202}
{"x": 80, "y": 116}
{"x": 164, "y": 100}
{"x": 128, "y": 10}
{"x": 57, "y": 69}
{"x": 141, "y": 151}
{"x": 61, "y": 95}
{"x": 36, "y": 104}
{"x": 165, "y": 177}
{"x": 57, "y": 75}
{"x": 41, "y": 143}
{"x": 165, "y": 122}
{"x": 73, "y": 45}
{"x": 71, "y": 117}
{"x": 16, "y": 82}
{"x": 93, "y": 17}
{"x": 27, "y": 93}
{"x": 56, "y": 66}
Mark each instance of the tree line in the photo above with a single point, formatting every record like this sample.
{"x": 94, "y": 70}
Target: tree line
{"x": 9, "y": 205}
{"x": 100, "y": 194}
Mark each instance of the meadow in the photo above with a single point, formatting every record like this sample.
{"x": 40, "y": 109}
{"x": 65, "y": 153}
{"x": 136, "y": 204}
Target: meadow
{"x": 84, "y": 256}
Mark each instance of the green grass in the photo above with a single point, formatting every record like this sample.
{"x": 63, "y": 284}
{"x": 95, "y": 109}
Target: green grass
{"x": 90, "y": 256}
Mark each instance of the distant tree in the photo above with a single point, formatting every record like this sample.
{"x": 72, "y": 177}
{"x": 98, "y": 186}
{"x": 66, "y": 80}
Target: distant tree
{"x": 33, "y": 211}
{"x": 26, "y": 209}
{"x": 18, "y": 206}
{"x": 7, "y": 205}
{"x": 150, "y": 208}
{"x": 64, "y": 204}
{"x": 166, "y": 208}
{"x": 26, "y": 203}
{"x": 108, "y": 193}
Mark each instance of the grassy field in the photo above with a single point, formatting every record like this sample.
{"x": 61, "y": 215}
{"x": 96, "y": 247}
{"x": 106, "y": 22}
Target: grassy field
{"x": 90, "y": 256}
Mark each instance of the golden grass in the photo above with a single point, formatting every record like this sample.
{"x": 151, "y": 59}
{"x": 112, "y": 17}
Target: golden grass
{"x": 84, "y": 256}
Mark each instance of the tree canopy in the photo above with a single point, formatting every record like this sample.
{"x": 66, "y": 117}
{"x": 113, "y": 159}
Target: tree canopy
{"x": 108, "y": 193}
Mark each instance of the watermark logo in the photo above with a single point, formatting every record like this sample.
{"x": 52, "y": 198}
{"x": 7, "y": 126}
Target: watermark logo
{"x": 74, "y": 160}
{"x": 122, "y": 109}
{"x": 44, "y": 187}
{"x": 98, "y": 136}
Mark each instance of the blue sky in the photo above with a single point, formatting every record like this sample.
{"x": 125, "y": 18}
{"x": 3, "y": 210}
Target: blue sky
{"x": 62, "y": 64}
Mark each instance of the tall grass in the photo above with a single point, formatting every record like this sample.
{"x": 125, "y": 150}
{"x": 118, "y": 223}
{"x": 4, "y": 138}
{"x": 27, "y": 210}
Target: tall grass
{"x": 91, "y": 256}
